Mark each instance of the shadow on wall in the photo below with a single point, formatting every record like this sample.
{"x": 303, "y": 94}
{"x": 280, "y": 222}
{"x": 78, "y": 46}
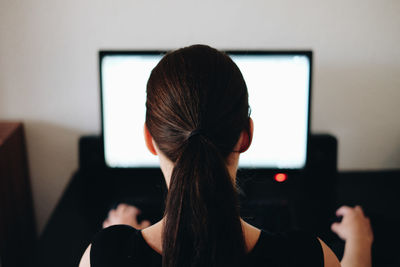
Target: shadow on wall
{"x": 395, "y": 157}
{"x": 52, "y": 155}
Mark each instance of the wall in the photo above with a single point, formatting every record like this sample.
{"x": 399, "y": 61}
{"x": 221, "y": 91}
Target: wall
{"x": 49, "y": 79}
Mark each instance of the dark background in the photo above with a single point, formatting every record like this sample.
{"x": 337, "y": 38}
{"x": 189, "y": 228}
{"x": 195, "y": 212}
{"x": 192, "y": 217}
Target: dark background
{"x": 307, "y": 200}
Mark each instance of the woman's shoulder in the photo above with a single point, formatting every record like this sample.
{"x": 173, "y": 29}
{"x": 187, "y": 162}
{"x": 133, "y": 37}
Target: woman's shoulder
{"x": 123, "y": 245}
{"x": 293, "y": 248}
{"x": 118, "y": 245}
{"x": 116, "y": 230}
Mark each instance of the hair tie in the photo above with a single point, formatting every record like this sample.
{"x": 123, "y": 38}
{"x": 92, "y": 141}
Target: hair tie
{"x": 194, "y": 133}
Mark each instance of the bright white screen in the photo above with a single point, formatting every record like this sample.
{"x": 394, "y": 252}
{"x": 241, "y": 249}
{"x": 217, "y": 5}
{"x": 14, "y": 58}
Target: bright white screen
{"x": 278, "y": 87}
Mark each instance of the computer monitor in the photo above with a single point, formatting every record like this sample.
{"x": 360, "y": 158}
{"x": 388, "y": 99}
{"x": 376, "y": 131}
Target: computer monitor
{"x": 279, "y": 85}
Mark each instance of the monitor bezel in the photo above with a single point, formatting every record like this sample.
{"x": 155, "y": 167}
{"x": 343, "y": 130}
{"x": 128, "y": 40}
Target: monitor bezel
{"x": 307, "y": 53}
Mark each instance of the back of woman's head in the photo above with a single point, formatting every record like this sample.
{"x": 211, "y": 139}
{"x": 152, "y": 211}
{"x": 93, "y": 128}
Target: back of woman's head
{"x": 197, "y": 107}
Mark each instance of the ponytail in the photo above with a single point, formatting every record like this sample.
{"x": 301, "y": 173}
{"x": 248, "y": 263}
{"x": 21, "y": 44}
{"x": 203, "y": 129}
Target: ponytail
{"x": 198, "y": 87}
{"x": 202, "y": 223}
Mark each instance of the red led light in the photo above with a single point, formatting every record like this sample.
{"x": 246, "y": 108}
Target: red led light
{"x": 280, "y": 177}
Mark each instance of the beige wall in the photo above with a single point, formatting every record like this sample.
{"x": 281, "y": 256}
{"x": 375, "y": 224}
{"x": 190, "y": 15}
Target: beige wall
{"x": 49, "y": 80}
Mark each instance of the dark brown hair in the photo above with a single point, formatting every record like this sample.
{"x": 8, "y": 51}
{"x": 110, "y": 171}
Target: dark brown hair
{"x": 197, "y": 107}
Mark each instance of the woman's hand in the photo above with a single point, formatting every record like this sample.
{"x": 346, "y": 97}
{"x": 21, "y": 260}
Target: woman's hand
{"x": 355, "y": 229}
{"x": 125, "y": 214}
{"x": 355, "y": 226}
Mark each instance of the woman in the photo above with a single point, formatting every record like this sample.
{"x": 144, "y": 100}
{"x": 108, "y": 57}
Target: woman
{"x": 197, "y": 122}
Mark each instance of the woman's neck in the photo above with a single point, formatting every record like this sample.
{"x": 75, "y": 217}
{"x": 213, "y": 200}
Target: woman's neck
{"x": 153, "y": 235}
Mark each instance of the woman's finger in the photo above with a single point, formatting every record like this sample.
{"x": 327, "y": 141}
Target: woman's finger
{"x": 335, "y": 227}
{"x": 343, "y": 210}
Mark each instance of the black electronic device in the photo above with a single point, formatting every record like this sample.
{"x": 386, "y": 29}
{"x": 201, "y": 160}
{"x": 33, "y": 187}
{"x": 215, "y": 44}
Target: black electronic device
{"x": 277, "y": 173}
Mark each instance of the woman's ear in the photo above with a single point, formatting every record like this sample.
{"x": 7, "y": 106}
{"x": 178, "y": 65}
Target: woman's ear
{"x": 247, "y": 137}
{"x": 149, "y": 140}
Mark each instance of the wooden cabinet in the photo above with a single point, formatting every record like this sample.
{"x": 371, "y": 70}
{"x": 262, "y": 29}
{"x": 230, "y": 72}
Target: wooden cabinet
{"x": 17, "y": 224}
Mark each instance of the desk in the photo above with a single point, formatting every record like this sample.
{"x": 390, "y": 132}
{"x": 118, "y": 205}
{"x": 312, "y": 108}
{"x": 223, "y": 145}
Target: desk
{"x": 71, "y": 226}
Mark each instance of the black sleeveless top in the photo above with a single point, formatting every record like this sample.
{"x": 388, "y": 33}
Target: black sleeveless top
{"x": 123, "y": 246}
